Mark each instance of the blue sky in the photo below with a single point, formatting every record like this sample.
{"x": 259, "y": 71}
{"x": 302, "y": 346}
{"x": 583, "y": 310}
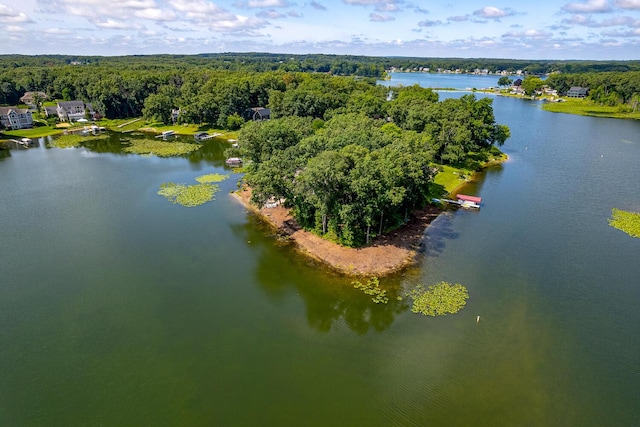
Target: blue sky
{"x": 543, "y": 29}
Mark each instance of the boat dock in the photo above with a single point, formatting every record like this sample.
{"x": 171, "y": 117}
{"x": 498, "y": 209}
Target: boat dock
{"x": 462, "y": 200}
{"x": 202, "y": 136}
{"x": 166, "y": 134}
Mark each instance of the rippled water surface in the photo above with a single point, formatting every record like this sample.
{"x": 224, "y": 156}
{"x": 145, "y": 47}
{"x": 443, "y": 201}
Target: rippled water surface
{"x": 119, "y": 308}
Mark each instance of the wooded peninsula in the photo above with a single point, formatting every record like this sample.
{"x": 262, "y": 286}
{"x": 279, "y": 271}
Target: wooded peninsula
{"x": 349, "y": 158}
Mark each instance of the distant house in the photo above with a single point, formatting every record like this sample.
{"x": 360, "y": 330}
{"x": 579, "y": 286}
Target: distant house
{"x": 578, "y": 92}
{"x": 259, "y": 113}
{"x": 29, "y": 98}
{"x": 51, "y": 111}
{"x": 16, "y": 118}
{"x": 73, "y": 110}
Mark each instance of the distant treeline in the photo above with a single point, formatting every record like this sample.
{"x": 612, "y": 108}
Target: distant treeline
{"x": 219, "y": 88}
{"x": 365, "y": 66}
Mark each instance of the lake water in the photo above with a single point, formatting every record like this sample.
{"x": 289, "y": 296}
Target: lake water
{"x": 120, "y": 308}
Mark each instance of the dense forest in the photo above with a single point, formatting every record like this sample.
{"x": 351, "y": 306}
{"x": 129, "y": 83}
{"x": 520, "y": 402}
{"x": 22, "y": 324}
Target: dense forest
{"x": 364, "y": 170}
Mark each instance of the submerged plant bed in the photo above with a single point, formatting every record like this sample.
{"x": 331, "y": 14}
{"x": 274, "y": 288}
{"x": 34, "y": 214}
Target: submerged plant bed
{"x": 213, "y": 177}
{"x": 71, "y": 141}
{"x": 188, "y": 195}
{"x": 160, "y": 148}
{"x": 629, "y": 222}
{"x": 192, "y": 195}
{"x": 439, "y": 300}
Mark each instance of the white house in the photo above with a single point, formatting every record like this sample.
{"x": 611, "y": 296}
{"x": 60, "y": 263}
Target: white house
{"x": 73, "y": 110}
{"x": 16, "y": 118}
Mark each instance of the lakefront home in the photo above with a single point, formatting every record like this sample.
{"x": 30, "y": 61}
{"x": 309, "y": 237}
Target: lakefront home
{"x": 16, "y": 118}
{"x": 29, "y": 98}
{"x": 578, "y": 92}
{"x": 71, "y": 110}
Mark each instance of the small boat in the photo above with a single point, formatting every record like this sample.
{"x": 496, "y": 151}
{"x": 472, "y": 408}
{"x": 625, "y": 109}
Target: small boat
{"x": 234, "y": 161}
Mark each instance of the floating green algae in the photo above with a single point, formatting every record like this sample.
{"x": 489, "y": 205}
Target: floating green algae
{"x": 628, "y": 222}
{"x": 160, "y": 148}
{"x": 212, "y": 177}
{"x": 372, "y": 287}
{"x": 72, "y": 141}
{"x": 188, "y": 195}
{"x": 439, "y": 300}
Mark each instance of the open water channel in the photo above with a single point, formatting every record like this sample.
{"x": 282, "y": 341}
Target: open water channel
{"x": 120, "y": 308}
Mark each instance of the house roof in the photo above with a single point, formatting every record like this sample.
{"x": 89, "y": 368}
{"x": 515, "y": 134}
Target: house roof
{"x": 578, "y": 89}
{"x": 261, "y": 110}
{"x": 28, "y": 96}
{"x": 6, "y": 110}
{"x": 68, "y": 104}
{"x": 466, "y": 198}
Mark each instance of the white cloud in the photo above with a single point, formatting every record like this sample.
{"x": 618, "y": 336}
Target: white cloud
{"x": 113, "y": 25}
{"x": 428, "y": 23}
{"x": 459, "y": 18}
{"x": 617, "y": 21}
{"x": 14, "y": 29}
{"x": 377, "y": 17}
{"x": 154, "y": 14}
{"x": 628, "y": 4}
{"x": 590, "y": 6}
{"x": 271, "y": 14}
{"x": 9, "y": 16}
{"x": 618, "y": 33}
{"x": 317, "y": 6}
{"x": 57, "y": 32}
{"x": 261, "y": 4}
{"x": 527, "y": 34}
{"x": 493, "y": 12}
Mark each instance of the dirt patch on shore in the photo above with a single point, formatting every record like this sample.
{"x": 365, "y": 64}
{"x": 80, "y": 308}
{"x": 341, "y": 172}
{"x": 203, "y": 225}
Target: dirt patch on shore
{"x": 386, "y": 254}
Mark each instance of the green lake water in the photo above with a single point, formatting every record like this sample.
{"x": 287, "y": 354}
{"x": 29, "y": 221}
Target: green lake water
{"x": 120, "y": 308}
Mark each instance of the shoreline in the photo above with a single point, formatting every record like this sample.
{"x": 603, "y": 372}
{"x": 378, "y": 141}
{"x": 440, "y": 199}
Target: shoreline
{"x": 386, "y": 254}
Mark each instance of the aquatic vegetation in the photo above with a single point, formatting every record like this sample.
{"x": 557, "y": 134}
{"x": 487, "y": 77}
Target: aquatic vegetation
{"x": 71, "y": 141}
{"x": 212, "y": 177}
{"x": 160, "y": 148}
{"x": 188, "y": 195}
{"x": 372, "y": 287}
{"x": 439, "y": 300}
{"x": 629, "y": 222}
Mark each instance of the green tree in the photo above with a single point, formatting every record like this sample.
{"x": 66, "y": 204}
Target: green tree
{"x": 504, "y": 81}
{"x": 531, "y": 84}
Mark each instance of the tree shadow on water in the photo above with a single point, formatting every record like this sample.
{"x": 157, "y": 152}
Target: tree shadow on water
{"x": 330, "y": 299}
{"x": 437, "y": 234}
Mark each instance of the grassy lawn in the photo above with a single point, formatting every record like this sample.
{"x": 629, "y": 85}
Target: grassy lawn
{"x": 451, "y": 178}
{"x": 156, "y": 127}
{"x": 587, "y": 108}
{"x": 32, "y": 133}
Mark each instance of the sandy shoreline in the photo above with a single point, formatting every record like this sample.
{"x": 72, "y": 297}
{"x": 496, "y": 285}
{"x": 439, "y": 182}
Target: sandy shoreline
{"x": 387, "y": 254}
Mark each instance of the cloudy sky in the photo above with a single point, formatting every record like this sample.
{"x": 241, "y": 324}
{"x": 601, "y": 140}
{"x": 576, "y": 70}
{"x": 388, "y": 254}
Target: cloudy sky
{"x": 542, "y": 29}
